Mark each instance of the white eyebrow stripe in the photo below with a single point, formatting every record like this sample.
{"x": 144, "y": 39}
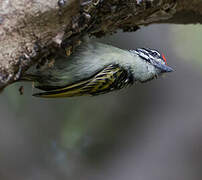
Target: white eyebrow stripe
{"x": 144, "y": 55}
{"x": 151, "y": 57}
{"x": 145, "y": 51}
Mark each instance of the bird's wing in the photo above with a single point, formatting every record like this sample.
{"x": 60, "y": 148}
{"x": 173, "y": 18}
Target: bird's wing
{"x": 110, "y": 78}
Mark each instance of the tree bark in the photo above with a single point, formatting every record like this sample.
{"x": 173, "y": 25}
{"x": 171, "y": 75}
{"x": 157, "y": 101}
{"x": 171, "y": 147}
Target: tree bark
{"x": 31, "y": 30}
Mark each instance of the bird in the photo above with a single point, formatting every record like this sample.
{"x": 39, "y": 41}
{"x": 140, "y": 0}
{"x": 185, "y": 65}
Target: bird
{"x": 96, "y": 68}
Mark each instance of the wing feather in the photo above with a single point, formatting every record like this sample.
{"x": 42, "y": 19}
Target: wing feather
{"x": 110, "y": 78}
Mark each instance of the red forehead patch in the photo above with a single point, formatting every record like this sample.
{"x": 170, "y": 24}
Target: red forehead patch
{"x": 164, "y": 58}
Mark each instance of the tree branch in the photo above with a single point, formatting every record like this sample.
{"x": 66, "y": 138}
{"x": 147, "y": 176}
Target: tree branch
{"x": 32, "y": 30}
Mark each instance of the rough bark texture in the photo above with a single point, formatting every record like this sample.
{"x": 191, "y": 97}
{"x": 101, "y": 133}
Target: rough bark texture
{"x": 31, "y": 30}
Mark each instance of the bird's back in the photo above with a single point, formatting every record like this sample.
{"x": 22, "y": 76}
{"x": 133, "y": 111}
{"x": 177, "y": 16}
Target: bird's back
{"x": 87, "y": 60}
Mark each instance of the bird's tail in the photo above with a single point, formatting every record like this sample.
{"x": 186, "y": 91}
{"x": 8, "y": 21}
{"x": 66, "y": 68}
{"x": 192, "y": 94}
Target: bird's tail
{"x": 29, "y": 77}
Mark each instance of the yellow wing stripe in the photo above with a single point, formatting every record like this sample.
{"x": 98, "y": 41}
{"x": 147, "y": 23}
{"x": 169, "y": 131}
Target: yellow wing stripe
{"x": 99, "y": 83}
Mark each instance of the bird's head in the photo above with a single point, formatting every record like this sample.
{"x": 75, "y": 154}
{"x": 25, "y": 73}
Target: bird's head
{"x": 154, "y": 58}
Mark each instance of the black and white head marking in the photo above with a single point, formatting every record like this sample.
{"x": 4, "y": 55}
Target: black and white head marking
{"x": 153, "y": 57}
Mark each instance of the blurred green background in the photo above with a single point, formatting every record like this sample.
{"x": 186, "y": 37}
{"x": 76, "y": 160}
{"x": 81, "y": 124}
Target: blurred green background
{"x": 149, "y": 131}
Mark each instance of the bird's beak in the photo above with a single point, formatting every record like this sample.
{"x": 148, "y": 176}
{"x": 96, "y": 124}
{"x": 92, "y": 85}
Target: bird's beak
{"x": 164, "y": 68}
